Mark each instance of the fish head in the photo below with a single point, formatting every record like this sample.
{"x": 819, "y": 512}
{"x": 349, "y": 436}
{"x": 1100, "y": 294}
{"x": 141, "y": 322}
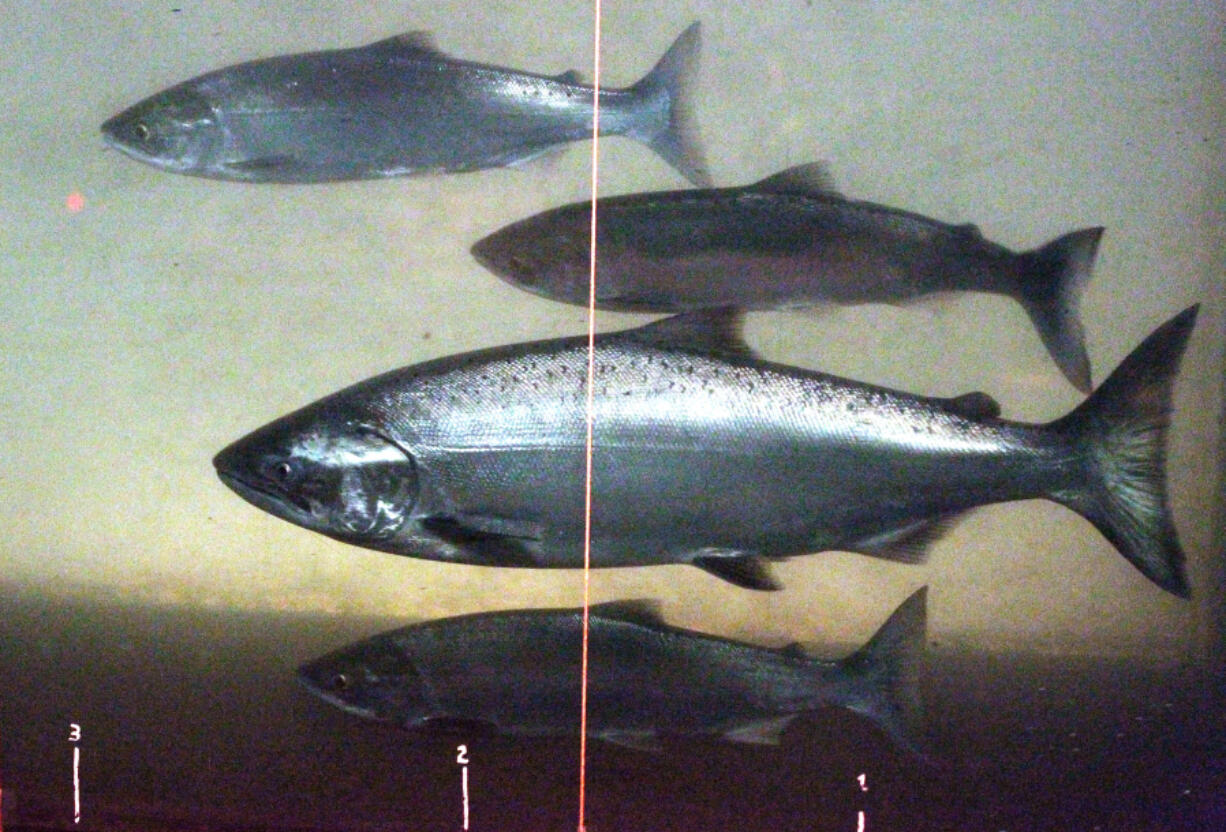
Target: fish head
{"x": 341, "y": 478}
{"x": 372, "y": 679}
{"x": 176, "y": 130}
{"x": 543, "y": 257}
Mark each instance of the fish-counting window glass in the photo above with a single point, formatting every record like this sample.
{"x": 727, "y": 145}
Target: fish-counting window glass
{"x": 904, "y": 397}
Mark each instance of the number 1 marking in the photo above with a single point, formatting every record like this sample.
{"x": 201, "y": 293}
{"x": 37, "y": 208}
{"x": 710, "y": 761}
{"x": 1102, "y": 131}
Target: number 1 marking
{"x": 860, "y": 819}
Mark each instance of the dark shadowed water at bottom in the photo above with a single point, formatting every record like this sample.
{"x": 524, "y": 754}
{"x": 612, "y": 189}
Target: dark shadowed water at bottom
{"x": 192, "y": 720}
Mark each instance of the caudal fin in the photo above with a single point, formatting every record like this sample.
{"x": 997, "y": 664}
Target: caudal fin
{"x": 668, "y": 126}
{"x": 1050, "y": 290}
{"x": 1121, "y": 431}
{"x": 886, "y": 671}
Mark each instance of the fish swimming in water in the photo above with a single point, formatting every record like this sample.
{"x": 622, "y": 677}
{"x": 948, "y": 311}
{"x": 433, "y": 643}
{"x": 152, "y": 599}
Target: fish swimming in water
{"x": 520, "y": 672}
{"x": 702, "y": 454}
{"x": 396, "y": 107}
{"x": 790, "y": 240}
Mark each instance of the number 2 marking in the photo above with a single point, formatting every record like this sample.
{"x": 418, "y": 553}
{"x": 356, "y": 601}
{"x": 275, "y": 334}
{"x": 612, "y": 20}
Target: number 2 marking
{"x": 461, "y": 759}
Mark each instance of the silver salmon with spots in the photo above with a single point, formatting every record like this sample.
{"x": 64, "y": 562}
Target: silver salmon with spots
{"x": 703, "y": 454}
{"x": 397, "y": 107}
{"x": 519, "y": 672}
{"x": 790, "y": 240}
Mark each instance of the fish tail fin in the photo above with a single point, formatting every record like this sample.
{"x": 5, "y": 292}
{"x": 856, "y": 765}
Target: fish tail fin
{"x": 1050, "y": 290}
{"x": 1120, "y": 432}
{"x": 670, "y": 128}
{"x": 885, "y": 673}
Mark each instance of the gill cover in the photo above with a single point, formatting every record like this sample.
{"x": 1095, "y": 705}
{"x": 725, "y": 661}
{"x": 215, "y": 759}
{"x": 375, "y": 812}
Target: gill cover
{"x": 351, "y": 484}
{"x": 175, "y": 130}
{"x": 371, "y": 679}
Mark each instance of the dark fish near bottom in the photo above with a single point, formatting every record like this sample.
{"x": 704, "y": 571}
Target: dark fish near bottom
{"x": 789, "y": 240}
{"x": 520, "y": 673}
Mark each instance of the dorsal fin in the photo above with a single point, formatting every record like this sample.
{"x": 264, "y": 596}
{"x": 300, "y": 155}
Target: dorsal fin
{"x": 813, "y": 179}
{"x": 706, "y": 330}
{"x": 642, "y": 611}
{"x": 795, "y": 650}
{"x": 409, "y": 43}
{"x": 968, "y": 229}
{"x": 570, "y": 76}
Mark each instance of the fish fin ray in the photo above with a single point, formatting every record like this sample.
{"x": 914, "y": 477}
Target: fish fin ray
{"x": 976, "y": 405}
{"x": 486, "y": 545}
{"x": 1120, "y": 432}
{"x": 676, "y": 139}
{"x": 763, "y": 732}
{"x": 887, "y": 671}
{"x": 417, "y": 42}
{"x": 705, "y": 330}
{"x": 644, "y": 611}
{"x": 1054, "y": 277}
{"x": 908, "y": 543}
{"x": 795, "y": 650}
{"x": 264, "y": 163}
{"x": 746, "y": 571}
{"x": 638, "y": 740}
{"x": 813, "y": 179}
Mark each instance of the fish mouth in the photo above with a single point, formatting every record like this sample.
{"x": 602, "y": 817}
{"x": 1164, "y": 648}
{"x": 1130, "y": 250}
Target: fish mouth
{"x": 268, "y": 498}
{"x": 113, "y": 138}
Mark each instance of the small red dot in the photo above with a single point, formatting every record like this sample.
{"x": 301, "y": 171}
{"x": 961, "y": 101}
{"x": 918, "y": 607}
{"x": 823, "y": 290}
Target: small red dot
{"x": 74, "y": 202}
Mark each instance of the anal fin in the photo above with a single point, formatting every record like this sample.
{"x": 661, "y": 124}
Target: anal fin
{"x": 908, "y": 543}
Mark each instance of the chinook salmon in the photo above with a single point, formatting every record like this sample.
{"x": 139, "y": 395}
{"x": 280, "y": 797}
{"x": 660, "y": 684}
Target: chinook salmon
{"x": 789, "y": 240}
{"x": 395, "y": 107}
{"x": 520, "y": 673}
{"x": 702, "y": 454}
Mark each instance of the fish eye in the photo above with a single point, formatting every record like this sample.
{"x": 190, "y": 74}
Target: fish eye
{"x": 281, "y": 471}
{"x": 340, "y": 683}
{"x": 142, "y": 131}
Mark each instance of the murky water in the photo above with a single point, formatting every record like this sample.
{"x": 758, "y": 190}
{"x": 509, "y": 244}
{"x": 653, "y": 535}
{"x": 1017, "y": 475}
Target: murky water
{"x": 154, "y": 318}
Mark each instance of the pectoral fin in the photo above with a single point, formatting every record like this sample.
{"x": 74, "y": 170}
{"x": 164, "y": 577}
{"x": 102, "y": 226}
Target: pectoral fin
{"x": 765, "y": 732}
{"x": 746, "y": 571}
{"x": 641, "y": 740}
{"x": 490, "y": 541}
{"x": 265, "y": 164}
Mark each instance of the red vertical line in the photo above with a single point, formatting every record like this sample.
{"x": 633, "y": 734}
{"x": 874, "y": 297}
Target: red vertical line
{"x": 589, "y": 411}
